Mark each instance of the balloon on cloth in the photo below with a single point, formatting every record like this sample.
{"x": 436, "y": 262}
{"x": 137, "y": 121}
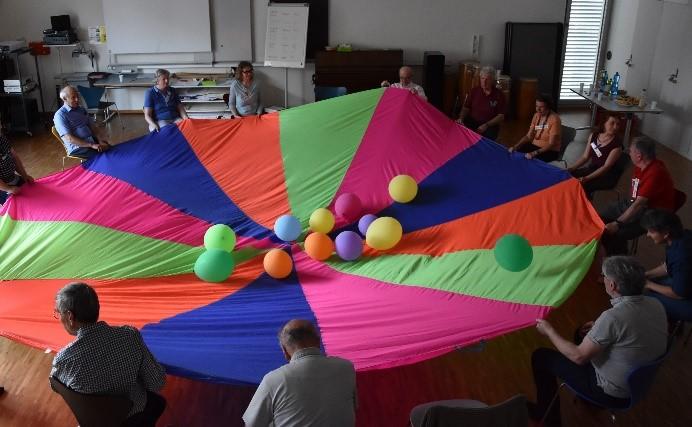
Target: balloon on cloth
{"x": 349, "y": 245}
{"x": 287, "y": 228}
{"x": 513, "y": 252}
{"x": 322, "y": 220}
{"x": 214, "y": 265}
{"x": 319, "y": 246}
{"x": 219, "y": 236}
{"x": 403, "y": 188}
{"x": 384, "y": 233}
{"x": 278, "y": 263}
{"x": 348, "y": 206}
{"x": 365, "y": 222}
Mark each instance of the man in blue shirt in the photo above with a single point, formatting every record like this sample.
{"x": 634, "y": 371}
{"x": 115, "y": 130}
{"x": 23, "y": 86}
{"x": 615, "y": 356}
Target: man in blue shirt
{"x": 161, "y": 103}
{"x": 670, "y": 282}
{"x": 77, "y": 130}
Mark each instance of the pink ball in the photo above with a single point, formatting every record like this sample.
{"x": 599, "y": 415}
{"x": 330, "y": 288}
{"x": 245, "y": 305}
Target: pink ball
{"x": 348, "y": 206}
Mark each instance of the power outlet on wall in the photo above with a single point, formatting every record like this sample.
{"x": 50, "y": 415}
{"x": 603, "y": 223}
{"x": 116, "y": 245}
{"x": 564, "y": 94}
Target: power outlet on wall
{"x": 475, "y": 45}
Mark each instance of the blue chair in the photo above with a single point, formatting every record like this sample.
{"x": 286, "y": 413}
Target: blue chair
{"x": 326, "y": 92}
{"x": 639, "y": 380}
{"x": 92, "y": 98}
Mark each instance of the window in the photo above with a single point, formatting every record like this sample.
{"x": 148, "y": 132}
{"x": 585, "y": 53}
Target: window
{"x": 583, "y": 42}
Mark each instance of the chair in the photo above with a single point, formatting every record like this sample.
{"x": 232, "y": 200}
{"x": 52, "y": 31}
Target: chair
{"x": 67, "y": 154}
{"x": 93, "y": 410}
{"x": 92, "y": 99}
{"x": 510, "y": 413}
{"x": 639, "y": 380}
{"x": 326, "y": 92}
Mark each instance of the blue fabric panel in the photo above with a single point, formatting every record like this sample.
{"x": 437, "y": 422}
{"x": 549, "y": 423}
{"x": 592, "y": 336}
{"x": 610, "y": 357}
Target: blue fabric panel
{"x": 480, "y": 177}
{"x": 232, "y": 340}
{"x": 163, "y": 165}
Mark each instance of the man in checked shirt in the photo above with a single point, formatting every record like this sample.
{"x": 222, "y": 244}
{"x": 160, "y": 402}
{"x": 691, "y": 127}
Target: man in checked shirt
{"x": 106, "y": 359}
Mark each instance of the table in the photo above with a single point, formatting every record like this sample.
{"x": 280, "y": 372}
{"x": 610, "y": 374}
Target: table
{"x": 610, "y": 105}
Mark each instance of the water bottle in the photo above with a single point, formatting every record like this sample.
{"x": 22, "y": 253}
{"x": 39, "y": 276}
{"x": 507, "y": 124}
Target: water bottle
{"x": 642, "y": 98}
{"x": 614, "y": 86}
{"x": 604, "y": 80}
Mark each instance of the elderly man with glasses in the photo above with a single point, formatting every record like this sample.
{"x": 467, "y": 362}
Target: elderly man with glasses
{"x": 630, "y": 334}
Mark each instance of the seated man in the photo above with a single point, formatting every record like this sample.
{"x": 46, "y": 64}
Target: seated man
{"x": 652, "y": 187}
{"x": 162, "y": 105}
{"x": 630, "y": 334}
{"x": 484, "y": 108}
{"x": 12, "y": 172}
{"x": 406, "y": 82}
{"x": 106, "y": 359}
{"x": 544, "y": 138}
{"x": 670, "y": 282}
{"x": 77, "y": 130}
{"x": 311, "y": 390}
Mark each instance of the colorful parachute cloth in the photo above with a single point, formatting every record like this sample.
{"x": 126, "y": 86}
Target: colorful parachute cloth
{"x": 131, "y": 223}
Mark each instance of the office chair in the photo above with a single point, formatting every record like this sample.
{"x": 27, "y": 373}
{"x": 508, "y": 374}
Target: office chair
{"x": 93, "y": 410}
{"x": 94, "y": 105}
{"x": 326, "y": 92}
{"x": 67, "y": 154}
{"x": 460, "y": 412}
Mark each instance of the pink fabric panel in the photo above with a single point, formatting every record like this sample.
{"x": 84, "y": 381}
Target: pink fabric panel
{"x": 84, "y": 196}
{"x": 425, "y": 140}
{"x": 409, "y": 323}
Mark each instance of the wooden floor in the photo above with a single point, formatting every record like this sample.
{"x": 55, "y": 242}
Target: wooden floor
{"x": 493, "y": 374}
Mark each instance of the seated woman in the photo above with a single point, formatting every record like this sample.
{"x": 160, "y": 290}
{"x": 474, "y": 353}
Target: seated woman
{"x": 162, "y": 105}
{"x": 597, "y": 168}
{"x": 670, "y": 282}
{"x": 244, "y": 99}
{"x": 484, "y": 108}
{"x": 543, "y": 140}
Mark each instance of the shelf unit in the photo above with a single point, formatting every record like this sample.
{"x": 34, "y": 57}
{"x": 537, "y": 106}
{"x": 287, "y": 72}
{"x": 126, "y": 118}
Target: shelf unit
{"x": 203, "y": 101}
{"x": 19, "y": 122}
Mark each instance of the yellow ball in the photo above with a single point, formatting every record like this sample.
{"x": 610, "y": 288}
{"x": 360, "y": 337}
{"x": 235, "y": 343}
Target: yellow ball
{"x": 384, "y": 233}
{"x": 322, "y": 220}
{"x": 403, "y": 188}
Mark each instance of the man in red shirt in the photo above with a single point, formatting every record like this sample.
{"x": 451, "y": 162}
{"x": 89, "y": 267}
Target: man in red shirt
{"x": 484, "y": 108}
{"x": 651, "y": 187}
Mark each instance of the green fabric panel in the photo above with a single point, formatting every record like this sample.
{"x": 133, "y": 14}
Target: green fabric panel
{"x": 62, "y": 250}
{"x": 318, "y": 142}
{"x": 551, "y": 278}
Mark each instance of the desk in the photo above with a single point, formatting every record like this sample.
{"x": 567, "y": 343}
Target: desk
{"x": 610, "y": 105}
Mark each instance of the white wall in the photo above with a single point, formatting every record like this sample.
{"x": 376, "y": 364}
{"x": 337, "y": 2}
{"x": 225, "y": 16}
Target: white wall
{"x": 414, "y": 25}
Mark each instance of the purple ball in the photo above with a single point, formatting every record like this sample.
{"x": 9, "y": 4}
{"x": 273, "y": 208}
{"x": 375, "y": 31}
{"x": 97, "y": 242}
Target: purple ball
{"x": 348, "y": 206}
{"x": 349, "y": 245}
{"x": 365, "y": 222}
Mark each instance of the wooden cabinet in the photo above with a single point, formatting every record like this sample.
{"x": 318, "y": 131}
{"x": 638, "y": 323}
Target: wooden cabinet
{"x": 357, "y": 70}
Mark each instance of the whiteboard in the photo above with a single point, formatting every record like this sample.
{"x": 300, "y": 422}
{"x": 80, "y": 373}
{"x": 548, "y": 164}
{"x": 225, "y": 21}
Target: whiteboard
{"x": 157, "y": 26}
{"x": 287, "y": 32}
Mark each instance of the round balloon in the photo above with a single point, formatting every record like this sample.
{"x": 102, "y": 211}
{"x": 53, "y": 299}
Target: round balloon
{"x": 349, "y": 245}
{"x": 403, "y": 188}
{"x": 278, "y": 264}
{"x": 319, "y": 246}
{"x": 384, "y": 233}
{"x": 365, "y": 222}
{"x": 219, "y": 236}
{"x": 322, "y": 220}
{"x": 287, "y": 228}
{"x": 348, "y": 206}
{"x": 214, "y": 265}
{"x": 513, "y": 252}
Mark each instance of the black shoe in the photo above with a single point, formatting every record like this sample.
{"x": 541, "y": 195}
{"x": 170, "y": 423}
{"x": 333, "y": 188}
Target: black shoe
{"x": 536, "y": 415}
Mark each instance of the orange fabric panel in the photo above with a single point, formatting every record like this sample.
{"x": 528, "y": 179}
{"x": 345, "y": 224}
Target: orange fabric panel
{"x": 531, "y": 216}
{"x": 26, "y": 306}
{"x": 244, "y": 158}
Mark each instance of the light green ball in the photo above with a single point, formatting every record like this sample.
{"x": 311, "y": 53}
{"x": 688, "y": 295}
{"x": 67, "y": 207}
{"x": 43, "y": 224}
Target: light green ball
{"x": 219, "y": 236}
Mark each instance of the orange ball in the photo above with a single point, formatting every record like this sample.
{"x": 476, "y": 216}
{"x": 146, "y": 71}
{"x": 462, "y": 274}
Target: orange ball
{"x": 278, "y": 264}
{"x": 319, "y": 246}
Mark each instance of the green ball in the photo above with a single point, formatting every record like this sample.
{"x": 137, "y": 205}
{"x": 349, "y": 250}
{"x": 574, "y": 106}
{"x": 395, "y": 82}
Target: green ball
{"x": 513, "y": 252}
{"x": 219, "y": 236}
{"x": 214, "y": 265}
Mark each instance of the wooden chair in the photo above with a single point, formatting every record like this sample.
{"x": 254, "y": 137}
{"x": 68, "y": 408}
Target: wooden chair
{"x": 93, "y": 410}
{"x": 67, "y": 154}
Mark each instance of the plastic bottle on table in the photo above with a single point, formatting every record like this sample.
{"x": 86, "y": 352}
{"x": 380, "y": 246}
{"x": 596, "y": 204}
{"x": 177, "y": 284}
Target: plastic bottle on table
{"x": 642, "y": 98}
{"x": 615, "y": 85}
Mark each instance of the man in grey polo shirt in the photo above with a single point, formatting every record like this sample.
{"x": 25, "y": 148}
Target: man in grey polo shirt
{"x": 311, "y": 390}
{"x": 630, "y": 334}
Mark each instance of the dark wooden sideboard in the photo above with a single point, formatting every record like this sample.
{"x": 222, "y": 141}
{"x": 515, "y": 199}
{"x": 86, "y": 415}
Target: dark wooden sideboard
{"x": 357, "y": 70}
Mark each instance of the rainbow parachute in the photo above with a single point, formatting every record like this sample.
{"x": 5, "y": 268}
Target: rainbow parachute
{"x": 131, "y": 223}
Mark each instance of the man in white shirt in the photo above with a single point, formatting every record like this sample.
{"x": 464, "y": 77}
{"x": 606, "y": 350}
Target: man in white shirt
{"x": 406, "y": 82}
{"x": 311, "y": 390}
